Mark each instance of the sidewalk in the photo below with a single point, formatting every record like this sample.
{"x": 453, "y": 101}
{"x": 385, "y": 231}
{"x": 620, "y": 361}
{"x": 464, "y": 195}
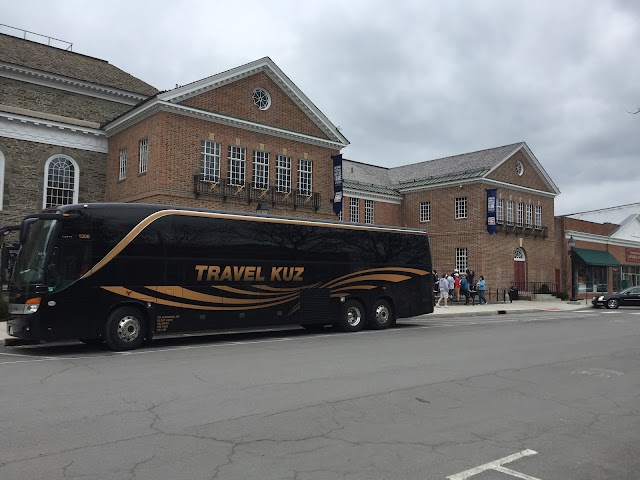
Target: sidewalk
{"x": 453, "y": 310}
{"x": 518, "y": 306}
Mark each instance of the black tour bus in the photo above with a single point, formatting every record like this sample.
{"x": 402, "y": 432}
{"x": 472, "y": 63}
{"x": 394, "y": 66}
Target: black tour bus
{"x": 121, "y": 273}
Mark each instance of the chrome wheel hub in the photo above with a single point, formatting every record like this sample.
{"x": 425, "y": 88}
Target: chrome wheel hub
{"x": 382, "y": 314}
{"x": 354, "y": 316}
{"x": 128, "y": 328}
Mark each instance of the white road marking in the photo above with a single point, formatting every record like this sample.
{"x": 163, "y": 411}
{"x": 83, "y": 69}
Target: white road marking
{"x": 497, "y": 465}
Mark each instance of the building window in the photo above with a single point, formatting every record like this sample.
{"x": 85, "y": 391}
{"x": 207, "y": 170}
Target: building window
{"x": 425, "y": 211}
{"x": 283, "y": 174}
{"x": 210, "y": 161}
{"x": 461, "y": 207}
{"x": 123, "y": 164}
{"x": 520, "y": 214}
{"x": 529, "y": 219}
{"x": 538, "y": 217}
{"x": 144, "y": 155}
{"x": 237, "y": 164}
{"x": 509, "y": 212}
{"x": 341, "y": 216}
{"x": 368, "y": 212}
{"x": 461, "y": 259}
{"x": 260, "y": 169}
{"x": 261, "y": 98}
{"x": 354, "y": 214}
{"x": 499, "y": 211}
{"x": 61, "y": 180}
{"x": 304, "y": 176}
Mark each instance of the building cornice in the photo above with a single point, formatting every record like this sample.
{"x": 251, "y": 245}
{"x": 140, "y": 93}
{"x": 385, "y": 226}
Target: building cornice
{"x": 157, "y": 105}
{"x": 377, "y": 197}
{"x": 600, "y": 239}
{"x": 477, "y": 180}
{"x": 71, "y": 85}
{"x": 30, "y": 129}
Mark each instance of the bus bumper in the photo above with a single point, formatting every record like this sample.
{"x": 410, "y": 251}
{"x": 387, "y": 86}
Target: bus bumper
{"x": 26, "y": 327}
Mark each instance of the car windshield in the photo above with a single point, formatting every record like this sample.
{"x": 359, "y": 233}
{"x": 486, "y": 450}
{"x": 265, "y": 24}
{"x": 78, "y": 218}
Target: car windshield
{"x": 32, "y": 257}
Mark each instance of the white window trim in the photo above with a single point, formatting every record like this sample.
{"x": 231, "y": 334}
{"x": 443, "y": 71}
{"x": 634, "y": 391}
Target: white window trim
{"x": 462, "y": 258}
{"x": 499, "y": 210}
{"x": 425, "y": 213}
{"x": 122, "y": 172}
{"x": 211, "y": 160}
{"x": 354, "y": 207}
{"x": 305, "y": 176}
{"x": 369, "y": 212}
{"x": 240, "y": 162}
{"x": 538, "y": 217}
{"x": 529, "y": 216}
{"x": 76, "y": 178}
{"x": 260, "y": 179}
{"x": 510, "y": 212}
{"x": 461, "y": 207}
{"x": 283, "y": 173}
{"x": 143, "y": 155}
{"x": 520, "y": 217}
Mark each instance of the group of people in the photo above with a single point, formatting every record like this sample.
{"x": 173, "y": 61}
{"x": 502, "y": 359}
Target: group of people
{"x": 455, "y": 284}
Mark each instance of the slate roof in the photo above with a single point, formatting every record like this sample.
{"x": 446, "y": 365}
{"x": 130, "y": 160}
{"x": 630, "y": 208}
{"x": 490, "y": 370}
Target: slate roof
{"x": 38, "y": 56}
{"x": 371, "y": 178}
{"x": 474, "y": 164}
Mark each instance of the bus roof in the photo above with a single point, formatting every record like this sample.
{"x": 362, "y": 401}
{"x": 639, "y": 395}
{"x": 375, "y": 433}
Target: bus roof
{"x": 111, "y": 206}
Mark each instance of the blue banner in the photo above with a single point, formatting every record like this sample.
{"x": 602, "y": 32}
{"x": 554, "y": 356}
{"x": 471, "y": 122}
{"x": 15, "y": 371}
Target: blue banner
{"x": 491, "y": 210}
{"x": 337, "y": 183}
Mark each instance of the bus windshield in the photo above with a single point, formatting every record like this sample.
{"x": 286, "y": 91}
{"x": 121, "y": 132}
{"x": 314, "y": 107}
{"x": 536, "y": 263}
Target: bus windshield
{"x": 30, "y": 265}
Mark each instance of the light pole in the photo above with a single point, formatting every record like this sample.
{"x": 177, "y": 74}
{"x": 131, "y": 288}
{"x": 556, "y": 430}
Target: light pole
{"x": 572, "y": 246}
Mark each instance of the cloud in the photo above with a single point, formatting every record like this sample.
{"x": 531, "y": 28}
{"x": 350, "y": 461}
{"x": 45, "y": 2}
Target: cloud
{"x": 411, "y": 80}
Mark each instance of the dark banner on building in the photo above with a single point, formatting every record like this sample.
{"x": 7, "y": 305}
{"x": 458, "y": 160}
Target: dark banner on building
{"x": 337, "y": 183}
{"x": 491, "y": 210}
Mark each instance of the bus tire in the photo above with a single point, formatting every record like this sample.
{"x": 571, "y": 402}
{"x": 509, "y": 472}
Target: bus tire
{"x": 125, "y": 329}
{"x": 352, "y": 317}
{"x": 382, "y": 315}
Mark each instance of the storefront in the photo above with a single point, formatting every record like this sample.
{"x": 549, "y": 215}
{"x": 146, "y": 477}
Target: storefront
{"x": 592, "y": 270}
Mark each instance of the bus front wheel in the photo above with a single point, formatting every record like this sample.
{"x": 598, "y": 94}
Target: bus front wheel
{"x": 352, "y": 317}
{"x": 125, "y": 329}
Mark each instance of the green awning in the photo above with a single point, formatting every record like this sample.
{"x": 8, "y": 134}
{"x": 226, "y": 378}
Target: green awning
{"x": 596, "y": 257}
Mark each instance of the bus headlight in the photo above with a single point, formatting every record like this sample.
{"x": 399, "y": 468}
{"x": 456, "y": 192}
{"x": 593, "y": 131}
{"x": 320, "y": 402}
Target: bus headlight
{"x": 31, "y": 308}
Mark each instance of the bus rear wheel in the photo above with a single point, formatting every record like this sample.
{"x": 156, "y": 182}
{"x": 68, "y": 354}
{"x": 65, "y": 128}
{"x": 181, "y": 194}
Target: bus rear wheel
{"x": 125, "y": 329}
{"x": 352, "y": 317}
{"x": 382, "y": 315}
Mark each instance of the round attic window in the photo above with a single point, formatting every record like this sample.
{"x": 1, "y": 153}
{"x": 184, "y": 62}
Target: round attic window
{"x": 261, "y": 98}
{"x": 519, "y": 168}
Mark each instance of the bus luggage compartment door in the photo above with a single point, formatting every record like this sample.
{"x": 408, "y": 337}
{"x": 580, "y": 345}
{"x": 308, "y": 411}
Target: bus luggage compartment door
{"x": 317, "y": 306}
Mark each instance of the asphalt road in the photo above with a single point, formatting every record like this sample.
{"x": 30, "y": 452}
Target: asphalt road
{"x": 542, "y": 396}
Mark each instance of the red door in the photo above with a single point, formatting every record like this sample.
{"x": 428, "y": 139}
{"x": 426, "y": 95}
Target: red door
{"x": 519, "y": 277}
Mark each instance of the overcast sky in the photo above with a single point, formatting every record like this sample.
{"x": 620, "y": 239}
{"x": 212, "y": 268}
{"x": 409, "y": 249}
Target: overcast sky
{"x": 406, "y": 81}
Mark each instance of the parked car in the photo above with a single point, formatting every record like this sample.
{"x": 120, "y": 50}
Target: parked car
{"x": 629, "y": 297}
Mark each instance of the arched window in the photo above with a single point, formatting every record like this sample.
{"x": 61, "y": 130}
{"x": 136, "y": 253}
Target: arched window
{"x": 518, "y": 256}
{"x": 1, "y": 179}
{"x": 61, "y": 177}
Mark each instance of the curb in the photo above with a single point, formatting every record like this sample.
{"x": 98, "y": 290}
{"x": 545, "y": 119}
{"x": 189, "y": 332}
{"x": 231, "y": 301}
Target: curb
{"x": 499, "y": 311}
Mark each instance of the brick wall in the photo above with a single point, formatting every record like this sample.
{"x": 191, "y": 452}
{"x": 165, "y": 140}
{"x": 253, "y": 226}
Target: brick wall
{"x": 236, "y": 100}
{"x": 384, "y": 213}
{"x": 174, "y": 158}
{"x": 530, "y": 178}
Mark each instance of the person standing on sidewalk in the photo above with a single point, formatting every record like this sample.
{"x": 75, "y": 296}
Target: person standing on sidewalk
{"x": 443, "y": 285}
{"x": 456, "y": 287}
{"x": 480, "y": 287}
{"x": 464, "y": 288}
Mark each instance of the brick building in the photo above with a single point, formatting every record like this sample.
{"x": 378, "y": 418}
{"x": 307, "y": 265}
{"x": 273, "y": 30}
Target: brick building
{"x": 606, "y": 254}
{"x": 76, "y": 129}
{"x": 52, "y": 105}
{"x": 448, "y": 197}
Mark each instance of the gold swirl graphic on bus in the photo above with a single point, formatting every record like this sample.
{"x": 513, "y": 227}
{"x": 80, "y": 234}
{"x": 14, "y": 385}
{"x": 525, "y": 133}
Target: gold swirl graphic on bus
{"x": 234, "y": 298}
